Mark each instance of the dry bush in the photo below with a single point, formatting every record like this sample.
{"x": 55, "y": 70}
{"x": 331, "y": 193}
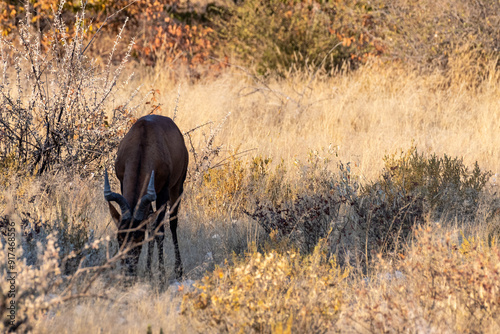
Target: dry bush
{"x": 439, "y": 286}
{"x": 267, "y": 193}
{"x": 268, "y": 293}
{"x": 53, "y": 110}
{"x": 299, "y": 206}
{"x": 170, "y": 32}
{"x": 444, "y": 35}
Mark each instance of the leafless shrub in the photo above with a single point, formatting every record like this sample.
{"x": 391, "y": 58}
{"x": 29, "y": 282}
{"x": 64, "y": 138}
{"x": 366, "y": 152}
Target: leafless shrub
{"x": 304, "y": 221}
{"x": 206, "y": 150}
{"x": 53, "y": 99}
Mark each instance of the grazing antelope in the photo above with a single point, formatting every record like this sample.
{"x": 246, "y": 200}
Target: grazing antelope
{"x": 151, "y": 165}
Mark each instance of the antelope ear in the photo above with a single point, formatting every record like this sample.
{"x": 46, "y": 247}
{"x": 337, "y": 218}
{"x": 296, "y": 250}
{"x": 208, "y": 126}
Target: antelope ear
{"x": 115, "y": 214}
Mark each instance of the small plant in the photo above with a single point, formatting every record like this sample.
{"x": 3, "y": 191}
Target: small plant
{"x": 226, "y": 187}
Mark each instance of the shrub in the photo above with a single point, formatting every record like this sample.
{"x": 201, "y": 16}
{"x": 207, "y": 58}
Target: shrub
{"x": 447, "y": 185}
{"x": 269, "y": 293}
{"x": 387, "y": 213}
{"x": 299, "y": 211}
{"x": 231, "y": 186}
{"x": 280, "y": 34}
{"x": 302, "y": 223}
{"x": 172, "y": 32}
{"x": 53, "y": 104}
{"x": 441, "y": 286}
{"x": 226, "y": 187}
{"x": 37, "y": 289}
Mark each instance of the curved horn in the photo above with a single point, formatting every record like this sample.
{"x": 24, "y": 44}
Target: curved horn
{"x": 147, "y": 198}
{"x": 114, "y": 197}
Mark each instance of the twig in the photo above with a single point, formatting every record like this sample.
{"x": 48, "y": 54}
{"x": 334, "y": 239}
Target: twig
{"x": 220, "y": 163}
{"x": 104, "y": 23}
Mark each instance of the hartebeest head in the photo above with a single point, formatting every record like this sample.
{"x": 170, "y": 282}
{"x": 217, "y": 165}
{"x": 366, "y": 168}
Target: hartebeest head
{"x": 129, "y": 226}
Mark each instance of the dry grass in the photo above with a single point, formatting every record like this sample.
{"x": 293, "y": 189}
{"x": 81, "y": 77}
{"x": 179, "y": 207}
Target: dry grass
{"x": 303, "y": 155}
{"x": 358, "y": 116}
{"x": 439, "y": 287}
{"x": 133, "y": 311}
{"x": 366, "y": 114}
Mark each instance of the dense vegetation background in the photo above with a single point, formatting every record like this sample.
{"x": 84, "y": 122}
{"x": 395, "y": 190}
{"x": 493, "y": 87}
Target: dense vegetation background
{"x": 343, "y": 163}
{"x": 275, "y": 36}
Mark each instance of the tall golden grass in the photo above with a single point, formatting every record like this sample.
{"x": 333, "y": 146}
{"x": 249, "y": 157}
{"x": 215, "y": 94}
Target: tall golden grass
{"x": 364, "y": 114}
{"x": 360, "y": 116}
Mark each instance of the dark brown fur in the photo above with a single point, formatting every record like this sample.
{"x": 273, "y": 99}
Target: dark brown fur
{"x": 154, "y": 143}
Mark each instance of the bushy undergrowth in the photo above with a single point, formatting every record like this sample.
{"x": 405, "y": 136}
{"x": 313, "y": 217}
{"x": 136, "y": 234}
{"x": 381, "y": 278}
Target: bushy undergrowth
{"x": 316, "y": 199}
{"x": 275, "y": 292}
{"x": 439, "y": 286}
{"x": 313, "y": 201}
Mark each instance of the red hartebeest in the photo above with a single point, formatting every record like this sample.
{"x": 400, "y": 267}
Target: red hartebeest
{"x": 151, "y": 164}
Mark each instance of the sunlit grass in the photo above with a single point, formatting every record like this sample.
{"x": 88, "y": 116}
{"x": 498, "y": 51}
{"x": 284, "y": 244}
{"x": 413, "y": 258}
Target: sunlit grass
{"x": 365, "y": 115}
{"x": 357, "y": 117}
